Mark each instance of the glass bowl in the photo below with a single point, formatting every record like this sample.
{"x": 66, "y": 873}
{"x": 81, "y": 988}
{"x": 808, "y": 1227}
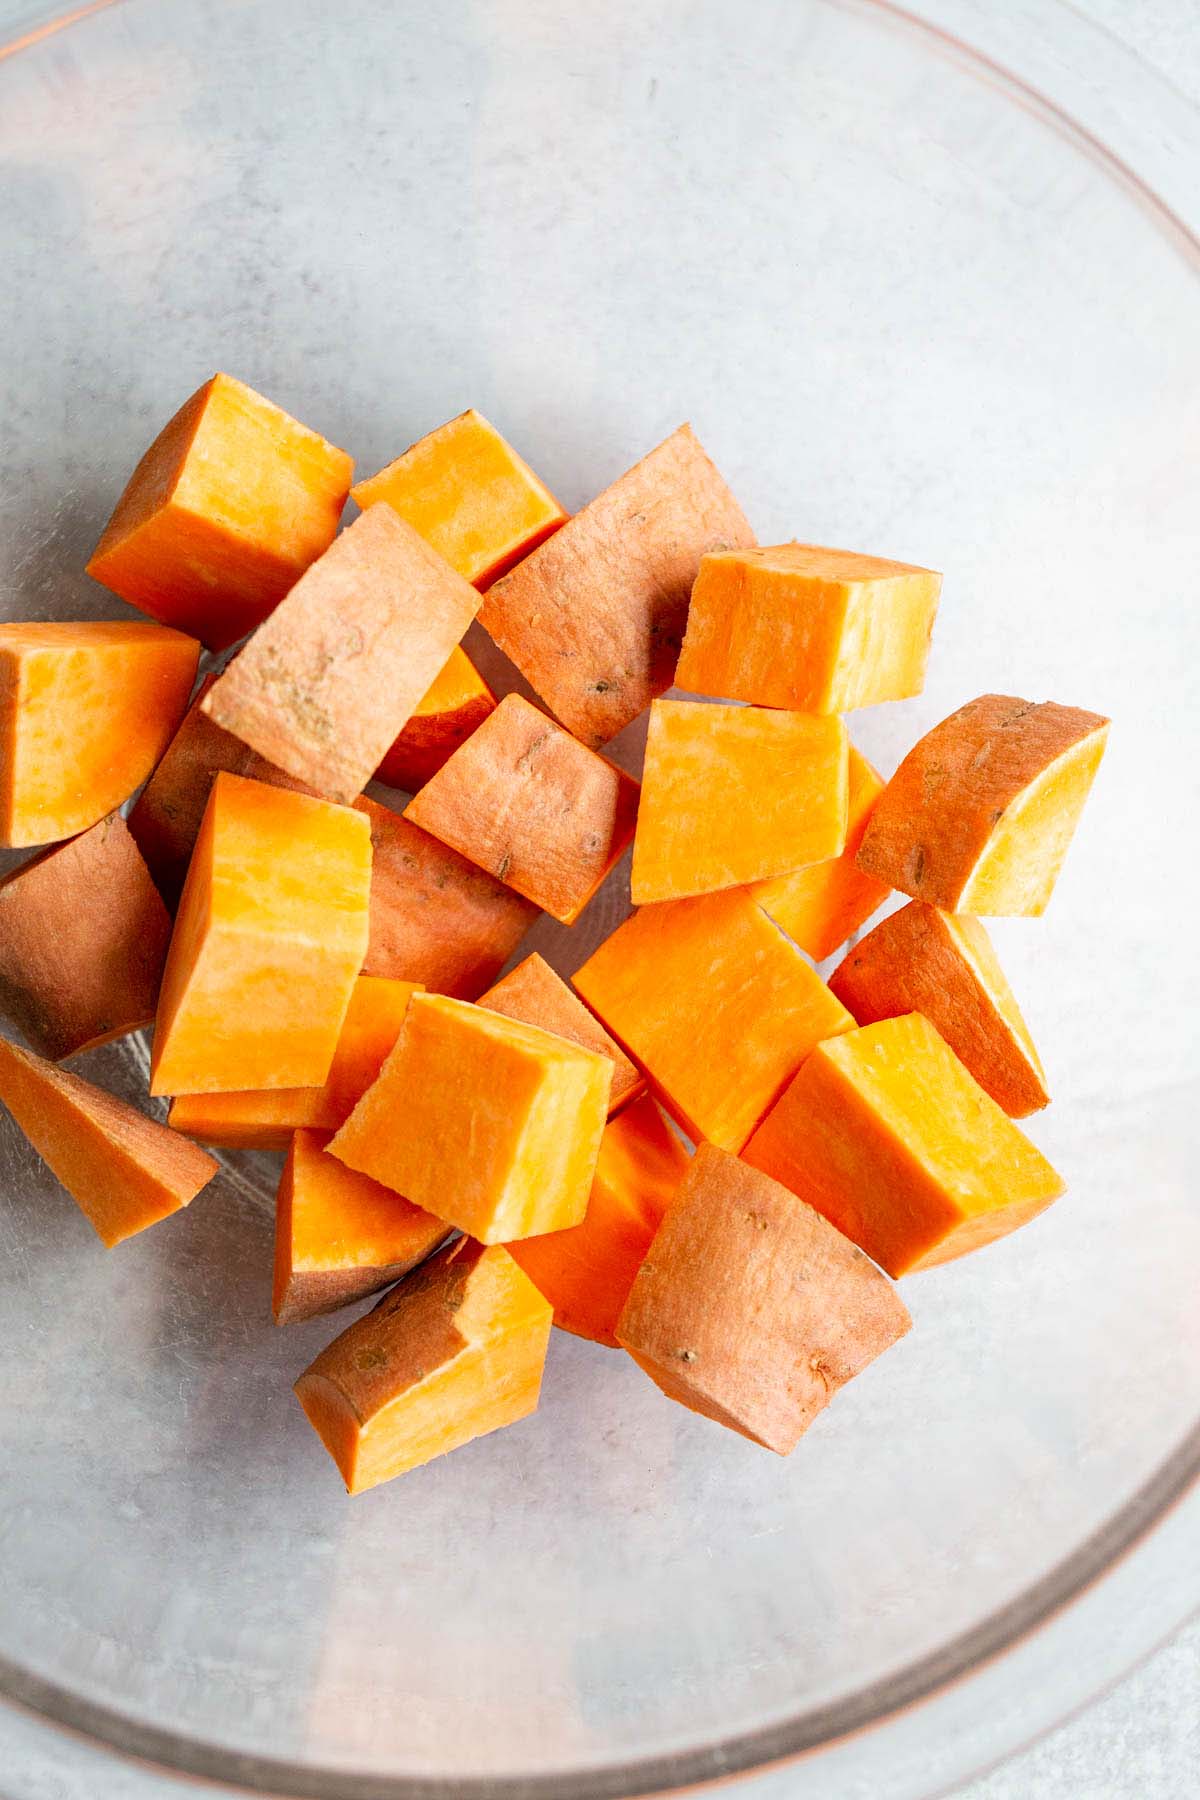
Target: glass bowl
{"x": 908, "y": 309}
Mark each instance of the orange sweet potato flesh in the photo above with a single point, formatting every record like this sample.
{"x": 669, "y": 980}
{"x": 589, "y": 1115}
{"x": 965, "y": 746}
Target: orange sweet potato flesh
{"x": 734, "y": 794}
{"x": 943, "y": 965}
{"x": 980, "y": 814}
{"x": 267, "y": 1118}
{"x": 531, "y": 805}
{"x": 83, "y": 940}
{"x": 533, "y": 993}
{"x": 269, "y": 940}
{"x": 339, "y": 1236}
{"x": 458, "y": 701}
{"x": 802, "y": 626}
{"x": 327, "y": 682}
{"x": 485, "y": 1122}
{"x": 469, "y": 495}
{"x": 715, "y": 1005}
{"x": 86, "y": 710}
{"x": 123, "y": 1170}
{"x": 586, "y": 1273}
{"x": 226, "y": 510}
{"x": 885, "y": 1132}
{"x": 453, "y": 1352}
{"x": 594, "y": 618}
{"x": 750, "y": 1308}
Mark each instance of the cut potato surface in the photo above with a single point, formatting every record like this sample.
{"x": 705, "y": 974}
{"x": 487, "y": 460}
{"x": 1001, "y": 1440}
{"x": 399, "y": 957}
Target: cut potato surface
{"x": 533, "y": 993}
{"x": 458, "y": 700}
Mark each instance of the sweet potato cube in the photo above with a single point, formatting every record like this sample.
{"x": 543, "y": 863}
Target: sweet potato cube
{"x": 594, "y": 617}
{"x": 339, "y": 1236}
{"x": 885, "y": 1132}
{"x": 470, "y": 495}
{"x": 227, "y": 508}
{"x": 943, "y": 965}
{"x": 266, "y": 1118}
{"x": 458, "y": 701}
{"x": 531, "y": 805}
{"x": 714, "y": 1003}
{"x": 980, "y": 814}
{"x": 325, "y": 685}
{"x": 733, "y": 794}
{"x": 86, "y": 711}
{"x": 453, "y": 1352}
{"x": 123, "y": 1170}
{"x": 533, "y": 993}
{"x": 488, "y": 1123}
{"x": 750, "y": 1308}
{"x": 797, "y": 625}
{"x": 819, "y": 907}
{"x": 268, "y": 943}
{"x": 586, "y": 1272}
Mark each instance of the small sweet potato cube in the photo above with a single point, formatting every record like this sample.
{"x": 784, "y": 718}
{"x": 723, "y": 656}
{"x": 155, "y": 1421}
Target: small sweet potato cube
{"x": 488, "y": 1123}
{"x": 453, "y": 1352}
{"x": 458, "y": 701}
{"x": 594, "y": 617}
{"x": 885, "y": 1132}
{"x": 533, "y": 993}
{"x": 750, "y": 1308}
{"x": 715, "y": 1004}
{"x": 531, "y": 805}
{"x": 469, "y": 494}
{"x": 734, "y": 794}
{"x": 801, "y": 626}
{"x": 227, "y": 508}
{"x": 339, "y": 1236}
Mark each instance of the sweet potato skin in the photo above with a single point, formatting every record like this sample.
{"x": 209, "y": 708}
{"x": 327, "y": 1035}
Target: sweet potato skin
{"x": 533, "y": 993}
{"x": 458, "y": 701}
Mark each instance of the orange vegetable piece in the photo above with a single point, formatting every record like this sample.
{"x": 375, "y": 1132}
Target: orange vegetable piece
{"x": 459, "y": 700}
{"x": 470, "y": 495}
{"x": 979, "y": 815}
{"x": 339, "y": 1236}
{"x": 86, "y": 710}
{"x": 733, "y": 794}
{"x": 885, "y": 1132}
{"x": 490, "y": 1124}
{"x": 267, "y": 1118}
{"x": 269, "y": 940}
{"x": 122, "y": 1170}
{"x": 715, "y": 1004}
{"x": 750, "y": 1308}
{"x": 453, "y": 1352}
{"x": 802, "y": 626}
{"x": 227, "y": 508}
{"x": 533, "y": 993}
{"x": 594, "y": 618}
{"x": 531, "y": 805}
{"x": 943, "y": 965}
{"x": 819, "y": 907}
{"x": 331, "y": 677}
{"x": 586, "y": 1272}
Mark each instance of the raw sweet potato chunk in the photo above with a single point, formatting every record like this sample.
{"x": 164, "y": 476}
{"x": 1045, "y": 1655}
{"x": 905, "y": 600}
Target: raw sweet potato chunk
{"x": 750, "y": 1308}
{"x": 533, "y": 993}
{"x": 802, "y": 626}
{"x": 531, "y": 805}
{"x": 470, "y": 495}
{"x": 123, "y": 1170}
{"x": 459, "y": 700}
{"x": 886, "y": 1133}
{"x": 339, "y": 1236}
{"x": 269, "y": 940}
{"x": 733, "y": 794}
{"x": 594, "y": 618}
{"x": 715, "y": 1004}
{"x": 488, "y": 1123}
{"x": 266, "y": 1118}
{"x": 328, "y": 681}
{"x": 86, "y": 710}
{"x": 819, "y": 907}
{"x": 979, "y": 815}
{"x": 586, "y": 1273}
{"x": 227, "y": 508}
{"x": 453, "y": 1352}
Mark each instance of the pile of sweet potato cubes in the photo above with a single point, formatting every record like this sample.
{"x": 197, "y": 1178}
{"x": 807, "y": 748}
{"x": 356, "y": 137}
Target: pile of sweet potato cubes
{"x": 321, "y": 969}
